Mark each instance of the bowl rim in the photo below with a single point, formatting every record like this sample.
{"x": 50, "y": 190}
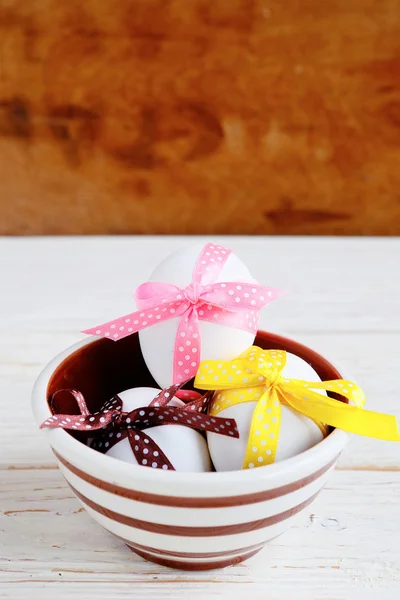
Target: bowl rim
{"x": 92, "y": 460}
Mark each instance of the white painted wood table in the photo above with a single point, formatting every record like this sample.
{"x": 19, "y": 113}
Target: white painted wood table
{"x": 344, "y": 301}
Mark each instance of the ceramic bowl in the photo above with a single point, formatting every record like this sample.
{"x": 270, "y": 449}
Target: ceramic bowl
{"x": 188, "y": 521}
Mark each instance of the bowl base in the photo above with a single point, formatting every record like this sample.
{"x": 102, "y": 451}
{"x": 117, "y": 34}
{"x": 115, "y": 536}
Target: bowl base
{"x": 184, "y": 565}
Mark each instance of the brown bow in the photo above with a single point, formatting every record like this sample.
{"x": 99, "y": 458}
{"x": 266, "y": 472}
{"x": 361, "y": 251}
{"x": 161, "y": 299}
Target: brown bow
{"x": 115, "y": 425}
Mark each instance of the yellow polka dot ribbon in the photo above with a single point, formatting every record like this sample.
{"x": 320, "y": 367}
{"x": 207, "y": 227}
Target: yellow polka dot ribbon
{"x": 256, "y": 375}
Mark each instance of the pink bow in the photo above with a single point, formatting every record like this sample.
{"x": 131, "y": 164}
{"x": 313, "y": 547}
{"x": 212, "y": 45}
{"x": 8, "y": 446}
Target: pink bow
{"x": 236, "y": 304}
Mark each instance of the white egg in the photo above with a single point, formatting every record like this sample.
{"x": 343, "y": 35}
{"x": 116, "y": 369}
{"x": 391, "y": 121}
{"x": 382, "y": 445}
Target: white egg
{"x": 185, "y": 448}
{"x": 218, "y": 342}
{"x": 297, "y": 432}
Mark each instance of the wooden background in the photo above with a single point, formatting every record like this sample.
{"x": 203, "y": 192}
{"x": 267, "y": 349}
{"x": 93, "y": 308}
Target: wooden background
{"x": 200, "y": 116}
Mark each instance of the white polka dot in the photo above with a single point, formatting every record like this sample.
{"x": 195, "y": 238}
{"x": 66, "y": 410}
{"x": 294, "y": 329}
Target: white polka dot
{"x": 251, "y": 466}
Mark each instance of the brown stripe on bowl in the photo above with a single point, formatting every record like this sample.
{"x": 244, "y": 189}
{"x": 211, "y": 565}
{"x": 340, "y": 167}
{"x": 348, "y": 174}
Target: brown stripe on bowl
{"x": 200, "y": 531}
{"x": 200, "y": 502}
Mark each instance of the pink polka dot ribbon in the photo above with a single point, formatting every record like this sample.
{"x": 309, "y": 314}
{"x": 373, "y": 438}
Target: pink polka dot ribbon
{"x": 236, "y": 304}
{"x": 112, "y": 425}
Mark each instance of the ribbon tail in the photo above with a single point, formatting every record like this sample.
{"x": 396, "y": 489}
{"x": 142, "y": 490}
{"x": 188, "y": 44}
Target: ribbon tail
{"x": 345, "y": 388}
{"x": 118, "y": 328}
{"x": 353, "y": 419}
{"x": 134, "y": 322}
{"x": 149, "y": 417}
{"x": 147, "y": 452}
{"x": 77, "y": 422}
{"x": 264, "y": 431}
{"x": 187, "y": 347}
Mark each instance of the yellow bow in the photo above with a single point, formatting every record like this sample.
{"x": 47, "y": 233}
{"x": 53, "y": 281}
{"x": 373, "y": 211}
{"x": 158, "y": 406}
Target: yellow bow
{"x": 256, "y": 376}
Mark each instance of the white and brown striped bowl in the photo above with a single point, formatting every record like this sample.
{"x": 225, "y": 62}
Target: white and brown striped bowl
{"x": 182, "y": 520}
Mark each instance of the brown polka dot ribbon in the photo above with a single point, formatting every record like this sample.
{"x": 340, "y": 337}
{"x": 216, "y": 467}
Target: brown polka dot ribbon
{"x": 110, "y": 424}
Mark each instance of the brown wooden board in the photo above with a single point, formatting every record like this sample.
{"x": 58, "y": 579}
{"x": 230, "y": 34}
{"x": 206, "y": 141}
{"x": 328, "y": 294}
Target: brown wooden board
{"x": 200, "y": 116}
